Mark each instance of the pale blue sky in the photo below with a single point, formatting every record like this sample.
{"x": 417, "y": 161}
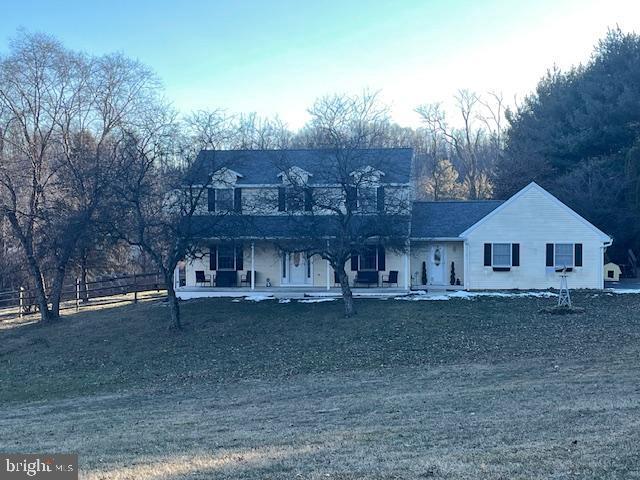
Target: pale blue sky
{"x": 277, "y": 57}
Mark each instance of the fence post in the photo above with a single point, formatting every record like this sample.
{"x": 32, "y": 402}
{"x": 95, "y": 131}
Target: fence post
{"x": 21, "y": 307}
{"x": 77, "y": 294}
{"x": 135, "y": 288}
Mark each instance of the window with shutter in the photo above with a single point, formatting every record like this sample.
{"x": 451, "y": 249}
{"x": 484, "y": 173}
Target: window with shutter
{"x": 501, "y": 254}
{"x": 563, "y": 253}
{"x": 369, "y": 259}
{"x": 224, "y": 199}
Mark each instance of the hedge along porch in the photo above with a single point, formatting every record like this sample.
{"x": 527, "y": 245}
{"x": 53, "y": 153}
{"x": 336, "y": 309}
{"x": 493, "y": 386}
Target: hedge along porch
{"x": 229, "y": 264}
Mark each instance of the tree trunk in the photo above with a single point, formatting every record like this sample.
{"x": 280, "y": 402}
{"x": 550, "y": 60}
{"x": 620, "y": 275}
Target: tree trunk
{"x": 84, "y": 294}
{"x": 347, "y": 295}
{"x": 174, "y": 306}
{"x": 46, "y": 316}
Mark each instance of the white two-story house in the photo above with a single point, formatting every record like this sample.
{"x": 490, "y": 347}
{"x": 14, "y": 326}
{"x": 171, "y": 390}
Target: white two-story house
{"x": 259, "y": 203}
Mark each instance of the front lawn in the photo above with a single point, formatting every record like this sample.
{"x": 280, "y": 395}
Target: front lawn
{"x": 482, "y": 388}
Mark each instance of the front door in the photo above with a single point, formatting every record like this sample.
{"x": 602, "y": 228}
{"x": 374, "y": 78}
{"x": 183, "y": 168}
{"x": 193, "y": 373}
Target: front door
{"x": 298, "y": 268}
{"x": 436, "y": 265}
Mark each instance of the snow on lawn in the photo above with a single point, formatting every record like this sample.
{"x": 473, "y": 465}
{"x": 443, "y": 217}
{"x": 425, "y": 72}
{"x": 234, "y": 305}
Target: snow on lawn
{"x": 317, "y": 300}
{"x": 422, "y": 295}
{"x": 623, "y": 290}
{"x": 258, "y": 298}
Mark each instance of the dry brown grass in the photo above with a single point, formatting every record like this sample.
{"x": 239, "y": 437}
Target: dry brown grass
{"x": 538, "y": 415}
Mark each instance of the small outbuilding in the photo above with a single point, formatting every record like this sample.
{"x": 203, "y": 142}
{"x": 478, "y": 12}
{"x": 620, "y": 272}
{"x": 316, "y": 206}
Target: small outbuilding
{"x": 612, "y": 272}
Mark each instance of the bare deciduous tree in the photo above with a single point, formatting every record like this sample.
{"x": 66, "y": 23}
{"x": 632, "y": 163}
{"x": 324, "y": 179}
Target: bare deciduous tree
{"x": 62, "y": 119}
{"x": 341, "y": 220}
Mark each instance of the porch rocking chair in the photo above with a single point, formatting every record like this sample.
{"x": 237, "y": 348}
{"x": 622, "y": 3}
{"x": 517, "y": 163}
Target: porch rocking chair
{"x": 391, "y": 279}
{"x": 202, "y": 279}
{"x": 246, "y": 278}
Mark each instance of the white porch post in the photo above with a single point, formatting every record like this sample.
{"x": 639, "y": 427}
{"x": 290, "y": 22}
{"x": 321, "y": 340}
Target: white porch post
{"x": 253, "y": 266}
{"x": 176, "y": 277}
{"x": 406, "y": 268}
{"x": 465, "y": 263}
{"x": 328, "y": 281}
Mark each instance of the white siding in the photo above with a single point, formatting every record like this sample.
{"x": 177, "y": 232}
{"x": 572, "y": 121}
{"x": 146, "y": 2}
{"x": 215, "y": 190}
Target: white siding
{"x": 533, "y": 220}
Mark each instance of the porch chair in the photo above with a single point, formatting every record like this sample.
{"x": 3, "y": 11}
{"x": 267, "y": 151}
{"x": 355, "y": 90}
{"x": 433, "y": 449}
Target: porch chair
{"x": 336, "y": 280}
{"x": 202, "y": 279}
{"x": 391, "y": 279}
{"x": 246, "y": 278}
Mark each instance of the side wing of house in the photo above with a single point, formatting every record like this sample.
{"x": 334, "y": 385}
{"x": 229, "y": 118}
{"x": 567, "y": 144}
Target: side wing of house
{"x": 526, "y": 241}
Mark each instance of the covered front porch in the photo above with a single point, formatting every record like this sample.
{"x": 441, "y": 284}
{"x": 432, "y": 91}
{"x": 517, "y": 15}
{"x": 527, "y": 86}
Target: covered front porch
{"x": 261, "y": 266}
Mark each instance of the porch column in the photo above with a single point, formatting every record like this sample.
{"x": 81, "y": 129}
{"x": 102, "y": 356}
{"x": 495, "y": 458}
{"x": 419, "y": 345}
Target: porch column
{"x": 328, "y": 284}
{"x": 176, "y": 277}
{"x": 406, "y": 268}
{"x": 253, "y": 266}
{"x": 465, "y": 263}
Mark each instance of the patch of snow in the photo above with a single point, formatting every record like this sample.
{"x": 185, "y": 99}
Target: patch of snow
{"x": 623, "y": 290}
{"x": 258, "y": 298}
{"x": 420, "y": 297}
{"x": 461, "y": 294}
{"x": 316, "y": 300}
{"x": 284, "y": 300}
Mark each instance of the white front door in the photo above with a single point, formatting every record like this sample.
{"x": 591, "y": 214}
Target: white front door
{"x": 299, "y": 268}
{"x": 435, "y": 265}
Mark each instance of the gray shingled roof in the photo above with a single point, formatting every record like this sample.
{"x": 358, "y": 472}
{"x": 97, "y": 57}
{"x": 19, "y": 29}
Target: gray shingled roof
{"x": 448, "y": 219}
{"x": 263, "y": 166}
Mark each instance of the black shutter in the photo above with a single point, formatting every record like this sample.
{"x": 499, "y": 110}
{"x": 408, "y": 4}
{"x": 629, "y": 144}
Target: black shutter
{"x": 577, "y": 255}
{"x": 211, "y": 199}
{"x": 352, "y": 198}
{"x": 487, "y": 254}
{"x": 549, "y": 254}
{"x": 213, "y": 258}
{"x": 354, "y": 262}
{"x": 515, "y": 254}
{"x": 381, "y": 260}
{"x": 237, "y": 200}
{"x": 281, "y": 199}
{"x": 239, "y": 257}
{"x": 380, "y": 198}
{"x": 308, "y": 199}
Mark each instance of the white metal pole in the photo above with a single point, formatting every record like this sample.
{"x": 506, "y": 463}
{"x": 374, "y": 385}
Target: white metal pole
{"x": 77, "y": 294}
{"x": 253, "y": 266}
